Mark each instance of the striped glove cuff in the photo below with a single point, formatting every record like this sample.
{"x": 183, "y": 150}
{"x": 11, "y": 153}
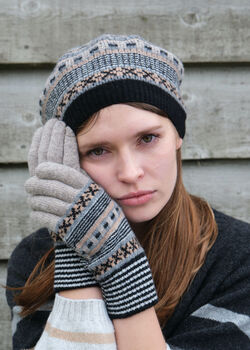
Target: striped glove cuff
{"x": 70, "y": 270}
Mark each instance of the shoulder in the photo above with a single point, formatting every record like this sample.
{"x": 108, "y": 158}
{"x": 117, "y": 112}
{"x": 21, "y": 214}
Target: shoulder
{"x": 218, "y": 296}
{"x": 230, "y": 251}
{"x": 233, "y": 236}
{"x": 231, "y": 224}
{"x": 25, "y": 257}
{"x": 31, "y": 248}
{"x": 227, "y": 264}
{"x": 26, "y": 331}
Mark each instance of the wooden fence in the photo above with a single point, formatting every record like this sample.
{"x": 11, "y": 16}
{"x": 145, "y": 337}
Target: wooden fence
{"x": 211, "y": 37}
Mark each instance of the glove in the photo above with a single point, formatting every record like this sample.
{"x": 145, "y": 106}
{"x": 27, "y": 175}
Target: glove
{"x": 70, "y": 273}
{"x": 95, "y": 227}
{"x": 53, "y": 189}
{"x": 55, "y": 142}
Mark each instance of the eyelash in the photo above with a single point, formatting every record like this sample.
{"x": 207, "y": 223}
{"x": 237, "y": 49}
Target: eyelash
{"x": 154, "y": 137}
{"x": 91, "y": 152}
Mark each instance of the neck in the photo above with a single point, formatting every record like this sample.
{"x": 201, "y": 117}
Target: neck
{"x": 139, "y": 229}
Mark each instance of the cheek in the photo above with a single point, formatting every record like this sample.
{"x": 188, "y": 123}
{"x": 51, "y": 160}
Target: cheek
{"x": 164, "y": 162}
{"x": 100, "y": 174}
{"x": 92, "y": 171}
{"x": 165, "y": 170}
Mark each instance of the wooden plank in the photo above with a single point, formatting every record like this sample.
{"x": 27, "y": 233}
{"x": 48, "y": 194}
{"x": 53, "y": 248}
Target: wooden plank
{"x": 225, "y": 184}
{"x": 217, "y": 100}
{"x": 36, "y": 31}
{"x": 14, "y": 211}
{"x": 218, "y": 124}
{"x": 19, "y": 116}
{"x": 5, "y": 324}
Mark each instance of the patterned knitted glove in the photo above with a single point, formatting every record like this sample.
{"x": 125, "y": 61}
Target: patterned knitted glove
{"x": 96, "y": 228}
{"x": 56, "y": 143}
{"x": 70, "y": 272}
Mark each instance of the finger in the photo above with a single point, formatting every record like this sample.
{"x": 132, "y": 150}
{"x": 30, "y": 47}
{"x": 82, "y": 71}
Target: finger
{"x": 71, "y": 154}
{"x": 63, "y": 173}
{"x": 48, "y": 205}
{"x": 56, "y": 143}
{"x": 44, "y": 219}
{"x": 33, "y": 151}
{"x": 50, "y": 188}
{"x": 45, "y": 140}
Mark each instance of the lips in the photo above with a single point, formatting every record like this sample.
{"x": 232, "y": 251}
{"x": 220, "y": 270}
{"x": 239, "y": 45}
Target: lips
{"x": 136, "y": 198}
{"x": 135, "y": 194}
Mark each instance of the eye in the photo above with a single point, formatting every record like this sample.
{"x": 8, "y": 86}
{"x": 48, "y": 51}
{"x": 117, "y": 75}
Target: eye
{"x": 96, "y": 152}
{"x": 148, "y": 138}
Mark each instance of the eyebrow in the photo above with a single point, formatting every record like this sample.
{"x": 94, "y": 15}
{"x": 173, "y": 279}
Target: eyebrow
{"x": 92, "y": 145}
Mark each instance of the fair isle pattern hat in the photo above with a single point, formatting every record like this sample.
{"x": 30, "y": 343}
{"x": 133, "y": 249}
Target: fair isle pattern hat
{"x": 113, "y": 69}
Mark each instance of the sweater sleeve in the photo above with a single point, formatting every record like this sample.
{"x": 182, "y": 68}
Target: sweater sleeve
{"x": 215, "y": 311}
{"x": 78, "y": 324}
{"x": 26, "y": 331}
{"x": 222, "y": 323}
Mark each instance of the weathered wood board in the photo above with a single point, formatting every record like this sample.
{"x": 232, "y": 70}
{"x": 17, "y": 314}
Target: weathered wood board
{"x": 19, "y": 117}
{"x": 5, "y": 325}
{"x": 36, "y": 31}
{"x": 217, "y": 100}
{"x": 14, "y": 212}
{"x": 218, "y": 124}
{"x": 225, "y": 184}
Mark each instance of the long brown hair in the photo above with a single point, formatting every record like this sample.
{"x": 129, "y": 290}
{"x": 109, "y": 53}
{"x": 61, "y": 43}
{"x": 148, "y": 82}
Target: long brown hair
{"x": 176, "y": 244}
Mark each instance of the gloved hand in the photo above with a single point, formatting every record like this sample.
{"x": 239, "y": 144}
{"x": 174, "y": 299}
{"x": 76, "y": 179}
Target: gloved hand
{"x": 96, "y": 228}
{"x": 53, "y": 142}
{"x": 53, "y": 188}
{"x": 56, "y": 143}
{"x": 70, "y": 272}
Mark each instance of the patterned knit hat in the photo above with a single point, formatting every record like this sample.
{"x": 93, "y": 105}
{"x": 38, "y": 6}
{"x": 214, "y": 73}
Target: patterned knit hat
{"x": 113, "y": 69}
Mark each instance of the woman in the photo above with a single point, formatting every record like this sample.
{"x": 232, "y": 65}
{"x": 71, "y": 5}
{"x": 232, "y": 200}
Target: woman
{"x": 114, "y": 202}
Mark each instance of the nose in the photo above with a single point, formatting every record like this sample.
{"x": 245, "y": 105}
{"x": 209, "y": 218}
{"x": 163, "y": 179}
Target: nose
{"x": 129, "y": 169}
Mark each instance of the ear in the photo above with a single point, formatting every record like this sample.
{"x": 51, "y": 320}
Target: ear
{"x": 178, "y": 142}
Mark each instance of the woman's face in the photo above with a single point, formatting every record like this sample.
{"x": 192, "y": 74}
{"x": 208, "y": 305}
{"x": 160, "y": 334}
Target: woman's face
{"x": 131, "y": 153}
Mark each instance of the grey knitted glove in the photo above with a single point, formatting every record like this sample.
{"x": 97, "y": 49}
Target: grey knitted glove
{"x": 56, "y": 143}
{"x": 53, "y": 142}
{"x": 52, "y": 190}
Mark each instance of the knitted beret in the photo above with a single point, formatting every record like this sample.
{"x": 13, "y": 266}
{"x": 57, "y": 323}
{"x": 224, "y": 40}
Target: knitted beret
{"x": 113, "y": 69}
